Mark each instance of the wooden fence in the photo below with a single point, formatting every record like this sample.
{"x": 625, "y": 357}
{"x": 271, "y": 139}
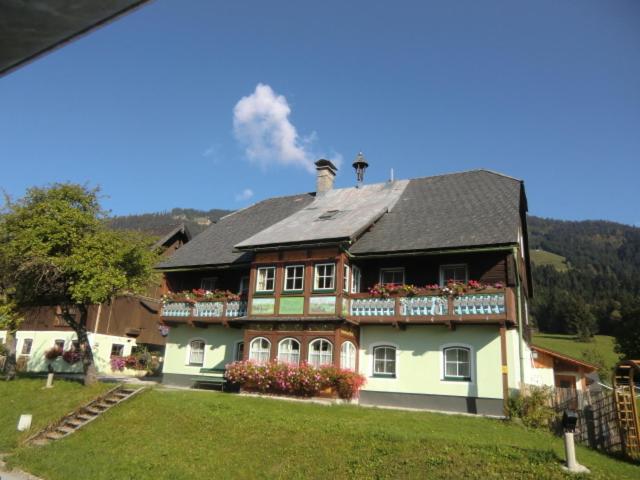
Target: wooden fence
{"x": 597, "y": 424}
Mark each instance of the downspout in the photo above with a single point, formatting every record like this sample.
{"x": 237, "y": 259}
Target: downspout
{"x": 519, "y": 317}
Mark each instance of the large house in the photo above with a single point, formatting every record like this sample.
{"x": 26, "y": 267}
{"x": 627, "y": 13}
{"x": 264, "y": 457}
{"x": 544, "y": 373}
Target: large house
{"x": 304, "y": 267}
{"x": 115, "y": 328}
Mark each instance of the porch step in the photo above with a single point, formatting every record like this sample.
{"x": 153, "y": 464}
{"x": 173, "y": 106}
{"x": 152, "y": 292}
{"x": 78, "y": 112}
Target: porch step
{"x": 83, "y": 415}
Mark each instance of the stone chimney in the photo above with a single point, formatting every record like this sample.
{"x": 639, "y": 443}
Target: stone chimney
{"x": 325, "y": 175}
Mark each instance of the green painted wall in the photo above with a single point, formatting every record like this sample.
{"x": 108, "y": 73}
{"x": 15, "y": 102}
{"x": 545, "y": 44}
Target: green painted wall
{"x": 291, "y": 305}
{"x": 220, "y": 343}
{"x": 419, "y": 364}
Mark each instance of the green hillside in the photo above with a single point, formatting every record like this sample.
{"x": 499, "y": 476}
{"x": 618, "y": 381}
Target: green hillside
{"x": 541, "y": 258}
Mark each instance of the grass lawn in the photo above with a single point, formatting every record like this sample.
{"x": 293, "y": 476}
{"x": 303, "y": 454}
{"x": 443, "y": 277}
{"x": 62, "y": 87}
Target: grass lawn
{"x": 46, "y": 405}
{"x": 542, "y": 257}
{"x": 568, "y": 345}
{"x": 169, "y": 434}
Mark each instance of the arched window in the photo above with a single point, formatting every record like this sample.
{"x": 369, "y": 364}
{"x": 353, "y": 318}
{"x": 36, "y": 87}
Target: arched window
{"x": 196, "y": 352}
{"x": 348, "y": 356}
{"x": 260, "y": 350}
{"x": 457, "y": 363}
{"x": 384, "y": 361}
{"x": 289, "y": 351}
{"x": 320, "y": 352}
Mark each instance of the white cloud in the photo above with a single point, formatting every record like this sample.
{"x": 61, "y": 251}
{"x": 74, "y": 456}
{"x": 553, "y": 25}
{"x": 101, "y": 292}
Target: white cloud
{"x": 246, "y": 194}
{"x": 261, "y": 123}
{"x": 211, "y": 151}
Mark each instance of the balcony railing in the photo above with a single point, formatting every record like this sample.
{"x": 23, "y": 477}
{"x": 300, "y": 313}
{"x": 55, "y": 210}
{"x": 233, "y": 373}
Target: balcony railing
{"x": 467, "y": 305}
{"x": 217, "y": 309}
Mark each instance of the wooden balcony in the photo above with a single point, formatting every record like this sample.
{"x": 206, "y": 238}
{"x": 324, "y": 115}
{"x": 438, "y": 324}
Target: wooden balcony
{"x": 203, "y": 312}
{"x": 485, "y": 306}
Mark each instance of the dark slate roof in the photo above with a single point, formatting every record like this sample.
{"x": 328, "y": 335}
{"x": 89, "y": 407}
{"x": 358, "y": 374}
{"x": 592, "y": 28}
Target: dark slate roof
{"x": 214, "y": 246}
{"x": 180, "y": 229}
{"x": 465, "y": 209}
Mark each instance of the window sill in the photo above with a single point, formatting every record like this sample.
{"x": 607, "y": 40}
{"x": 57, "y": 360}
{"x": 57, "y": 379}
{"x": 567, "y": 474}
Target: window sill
{"x": 328, "y": 290}
{"x": 264, "y": 293}
{"x": 292, "y": 292}
{"x": 457, "y": 379}
{"x": 378, "y": 375}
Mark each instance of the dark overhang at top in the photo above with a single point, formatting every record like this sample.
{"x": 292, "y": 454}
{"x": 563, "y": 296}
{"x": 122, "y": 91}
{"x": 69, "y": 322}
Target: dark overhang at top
{"x": 30, "y": 29}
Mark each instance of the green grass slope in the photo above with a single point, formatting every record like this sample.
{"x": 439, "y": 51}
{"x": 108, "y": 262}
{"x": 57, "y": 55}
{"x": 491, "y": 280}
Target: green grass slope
{"x": 26, "y": 396}
{"x": 568, "y": 345}
{"x": 166, "y": 434}
{"x": 542, "y": 258}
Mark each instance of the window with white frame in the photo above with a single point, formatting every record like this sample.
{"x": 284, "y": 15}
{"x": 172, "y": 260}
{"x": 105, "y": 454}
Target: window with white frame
{"x": 320, "y": 352}
{"x": 244, "y": 285}
{"x": 239, "y": 353}
{"x": 324, "y": 278}
{"x": 58, "y": 344}
{"x": 348, "y": 356}
{"x": 27, "y": 344}
{"x": 384, "y": 361}
{"x": 265, "y": 279}
{"x": 356, "y": 275}
{"x": 117, "y": 350}
{"x": 457, "y": 363}
{"x": 457, "y": 273}
{"x": 345, "y": 277}
{"x": 260, "y": 350}
{"x": 289, "y": 351}
{"x": 196, "y": 352}
{"x": 392, "y": 275}
{"x": 294, "y": 277}
{"x": 209, "y": 283}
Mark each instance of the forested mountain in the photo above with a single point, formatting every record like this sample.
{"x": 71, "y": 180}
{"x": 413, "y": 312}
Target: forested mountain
{"x": 586, "y": 274}
{"x": 593, "y": 278}
{"x": 160, "y": 223}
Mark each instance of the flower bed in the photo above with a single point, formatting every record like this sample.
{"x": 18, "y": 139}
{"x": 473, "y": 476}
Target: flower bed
{"x": 299, "y": 380}
{"x": 385, "y": 290}
{"x": 200, "y": 295}
{"x": 69, "y": 356}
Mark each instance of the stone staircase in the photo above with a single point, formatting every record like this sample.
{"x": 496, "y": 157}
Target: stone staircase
{"x": 83, "y": 415}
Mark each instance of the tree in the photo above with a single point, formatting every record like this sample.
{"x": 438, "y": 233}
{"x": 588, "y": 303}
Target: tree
{"x": 56, "y": 250}
{"x": 628, "y": 333}
{"x": 9, "y": 321}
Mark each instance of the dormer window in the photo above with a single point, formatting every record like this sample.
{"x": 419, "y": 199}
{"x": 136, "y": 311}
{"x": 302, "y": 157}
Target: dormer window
{"x": 266, "y": 279}
{"x": 324, "y": 278}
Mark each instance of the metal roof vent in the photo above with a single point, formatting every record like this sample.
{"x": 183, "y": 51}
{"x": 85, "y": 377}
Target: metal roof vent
{"x": 328, "y": 215}
{"x": 360, "y": 165}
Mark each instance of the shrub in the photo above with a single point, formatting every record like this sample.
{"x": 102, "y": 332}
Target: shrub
{"x": 301, "y": 380}
{"x": 71, "y": 356}
{"x": 117, "y": 363}
{"x": 533, "y": 406}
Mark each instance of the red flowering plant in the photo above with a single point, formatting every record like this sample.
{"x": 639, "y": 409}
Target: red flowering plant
{"x": 200, "y": 295}
{"x": 385, "y": 290}
{"x": 71, "y": 356}
{"x": 300, "y": 380}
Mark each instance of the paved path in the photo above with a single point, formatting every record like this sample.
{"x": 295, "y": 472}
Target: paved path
{"x": 13, "y": 474}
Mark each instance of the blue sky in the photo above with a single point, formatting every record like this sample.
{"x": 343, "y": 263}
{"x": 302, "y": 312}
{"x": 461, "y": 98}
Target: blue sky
{"x": 149, "y": 107}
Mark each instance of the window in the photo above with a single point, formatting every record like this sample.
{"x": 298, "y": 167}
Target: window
{"x": 244, "y": 285}
{"x": 289, "y": 351}
{"x": 457, "y": 273}
{"x": 208, "y": 283}
{"x": 260, "y": 350}
{"x": 196, "y": 352}
{"x": 392, "y": 275}
{"x": 239, "y": 355}
{"x": 355, "y": 279}
{"x": 27, "y": 343}
{"x": 59, "y": 344}
{"x": 348, "y": 356}
{"x": 294, "y": 277}
{"x": 384, "y": 361}
{"x": 324, "y": 277}
{"x": 117, "y": 350}
{"x": 457, "y": 363}
{"x": 266, "y": 279}
{"x": 345, "y": 277}
{"x": 320, "y": 352}
{"x": 75, "y": 345}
